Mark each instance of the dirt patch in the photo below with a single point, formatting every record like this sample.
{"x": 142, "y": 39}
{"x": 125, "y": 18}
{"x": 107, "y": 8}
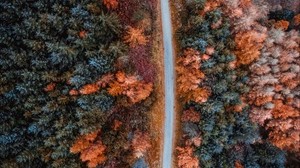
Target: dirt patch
{"x": 176, "y": 8}
{"x": 157, "y": 111}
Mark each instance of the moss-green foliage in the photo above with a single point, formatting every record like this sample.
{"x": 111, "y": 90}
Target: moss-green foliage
{"x": 40, "y": 44}
{"x": 222, "y": 128}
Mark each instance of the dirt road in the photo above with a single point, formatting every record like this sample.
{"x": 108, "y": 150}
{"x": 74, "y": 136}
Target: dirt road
{"x": 169, "y": 84}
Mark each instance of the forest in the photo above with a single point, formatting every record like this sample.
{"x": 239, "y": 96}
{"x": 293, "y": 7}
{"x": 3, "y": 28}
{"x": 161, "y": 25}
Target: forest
{"x": 82, "y": 83}
{"x": 77, "y": 81}
{"x": 238, "y": 78}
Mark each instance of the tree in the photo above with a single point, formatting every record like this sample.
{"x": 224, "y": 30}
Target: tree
{"x": 140, "y": 144}
{"x": 130, "y": 86}
{"x": 89, "y": 89}
{"x": 189, "y": 77}
{"x": 190, "y": 115}
{"x": 248, "y": 46}
{"x": 282, "y": 24}
{"x": 135, "y": 37}
{"x": 274, "y": 81}
{"x": 50, "y": 87}
{"x": 111, "y": 4}
{"x": 91, "y": 150}
{"x": 186, "y": 159}
{"x": 238, "y": 164}
{"x": 297, "y": 20}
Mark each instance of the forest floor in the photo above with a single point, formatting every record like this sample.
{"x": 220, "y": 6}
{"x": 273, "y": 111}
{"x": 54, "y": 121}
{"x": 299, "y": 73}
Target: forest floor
{"x": 157, "y": 111}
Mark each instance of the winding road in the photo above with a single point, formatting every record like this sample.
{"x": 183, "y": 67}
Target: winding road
{"x": 169, "y": 84}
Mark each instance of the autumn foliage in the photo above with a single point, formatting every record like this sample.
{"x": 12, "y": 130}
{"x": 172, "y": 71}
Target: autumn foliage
{"x": 186, "y": 158}
{"x": 91, "y": 150}
{"x": 111, "y": 4}
{"x": 282, "y": 24}
{"x": 249, "y": 34}
{"x": 135, "y": 37}
{"x": 89, "y": 89}
{"x": 50, "y": 87}
{"x": 275, "y": 83}
{"x": 285, "y": 127}
{"x": 238, "y": 164}
{"x": 140, "y": 144}
{"x": 190, "y": 115}
{"x": 189, "y": 77}
{"x": 130, "y": 86}
{"x": 82, "y": 34}
{"x": 297, "y": 20}
{"x": 248, "y": 46}
{"x": 210, "y": 5}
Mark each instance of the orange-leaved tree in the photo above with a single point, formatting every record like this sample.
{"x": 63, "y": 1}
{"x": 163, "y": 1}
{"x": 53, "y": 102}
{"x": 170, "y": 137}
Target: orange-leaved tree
{"x": 186, "y": 158}
{"x": 297, "y": 20}
{"x": 210, "y": 5}
{"x": 135, "y": 36}
{"x": 249, "y": 34}
{"x": 282, "y": 24}
{"x": 91, "y": 150}
{"x": 140, "y": 144}
{"x": 248, "y": 46}
{"x": 50, "y": 87}
{"x": 238, "y": 164}
{"x": 93, "y": 87}
{"x": 190, "y": 115}
{"x": 189, "y": 76}
{"x": 285, "y": 127}
{"x": 275, "y": 81}
{"x": 111, "y": 4}
{"x": 130, "y": 86}
{"x": 89, "y": 89}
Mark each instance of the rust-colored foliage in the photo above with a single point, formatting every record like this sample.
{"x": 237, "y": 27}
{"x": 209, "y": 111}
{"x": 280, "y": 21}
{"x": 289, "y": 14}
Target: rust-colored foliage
{"x": 210, "y": 5}
{"x": 84, "y": 141}
{"x": 130, "y": 86}
{"x": 210, "y": 50}
{"x": 249, "y": 34}
{"x": 111, "y": 4}
{"x": 105, "y": 80}
{"x": 135, "y": 37}
{"x": 73, "y": 92}
{"x": 275, "y": 83}
{"x": 248, "y": 46}
{"x": 82, "y": 34}
{"x": 238, "y": 164}
{"x": 50, "y": 87}
{"x": 190, "y": 115}
{"x": 90, "y": 149}
{"x": 297, "y": 20}
{"x": 116, "y": 125}
{"x": 93, "y": 87}
{"x": 282, "y": 24}
{"x": 245, "y": 14}
{"x": 240, "y": 107}
{"x": 89, "y": 89}
{"x": 196, "y": 141}
{"x": 284, "y": 111}
{"x": 140, "y": 144}
{"x": 189, "y": 77}
{"x": 186, "y": 158}
{"x": 285, "y": 128}
{"x": 199, "y": 95}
